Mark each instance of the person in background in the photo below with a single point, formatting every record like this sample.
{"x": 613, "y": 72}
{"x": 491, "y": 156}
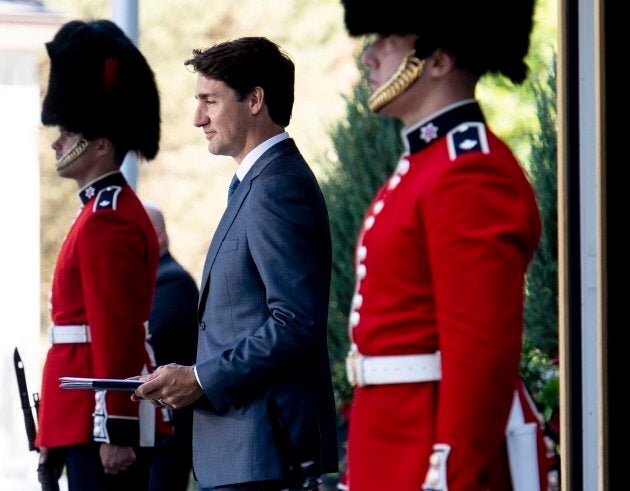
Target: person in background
{"x": 173, "y": 337}
{"x": 103, "y": 98}
{"x": 437, "y": 315}
{"x": 261, "y": 383}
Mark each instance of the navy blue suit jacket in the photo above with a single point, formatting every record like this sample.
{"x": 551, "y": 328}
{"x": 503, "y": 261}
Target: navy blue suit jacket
{"x": 262, "y": 355}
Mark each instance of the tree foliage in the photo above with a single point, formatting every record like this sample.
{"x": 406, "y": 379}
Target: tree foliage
{"x": 541, "y": 301}
{"x": 539, "y": 366}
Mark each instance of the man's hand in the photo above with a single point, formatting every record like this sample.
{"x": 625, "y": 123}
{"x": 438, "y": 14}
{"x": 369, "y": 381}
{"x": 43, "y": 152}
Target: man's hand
{"x": 116, "y": 459}
{"x": 172, "y": 385}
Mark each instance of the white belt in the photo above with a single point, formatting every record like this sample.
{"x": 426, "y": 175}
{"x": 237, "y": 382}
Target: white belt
{"x": 395, "y": 369}
{"x": 69, "y": 334}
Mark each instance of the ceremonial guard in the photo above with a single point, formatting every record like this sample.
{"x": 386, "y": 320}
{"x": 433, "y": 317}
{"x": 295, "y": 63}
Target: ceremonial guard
{"x": 102, "y": 96}
{"x": 437, "y": 314}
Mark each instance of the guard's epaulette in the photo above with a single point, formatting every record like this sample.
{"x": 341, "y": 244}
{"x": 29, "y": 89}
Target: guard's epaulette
{"x": 106, "y": 198}
{"x": 466, "y": 138}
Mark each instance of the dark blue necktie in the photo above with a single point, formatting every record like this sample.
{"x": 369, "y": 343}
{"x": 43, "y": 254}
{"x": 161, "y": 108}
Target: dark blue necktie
{"x": 233, "y": 185}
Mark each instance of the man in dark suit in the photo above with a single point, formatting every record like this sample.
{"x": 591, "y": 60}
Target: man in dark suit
{"x": 261, "y": 383}
{"x": 173, "y": 337}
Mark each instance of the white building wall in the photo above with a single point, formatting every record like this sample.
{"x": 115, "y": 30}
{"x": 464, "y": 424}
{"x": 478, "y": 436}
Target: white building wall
{"x": 19, "y": 258}
{"x": 24, "y": 27}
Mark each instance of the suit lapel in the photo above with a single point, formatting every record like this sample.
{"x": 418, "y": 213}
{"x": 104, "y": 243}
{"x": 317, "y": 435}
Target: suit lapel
{"x": 224, "y": 225}
{"x": 232, "y": 211}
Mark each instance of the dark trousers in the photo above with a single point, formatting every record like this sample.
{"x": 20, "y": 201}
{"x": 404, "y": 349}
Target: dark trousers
{"x": 172, "y": 463}
{"x": 85, "y": 471}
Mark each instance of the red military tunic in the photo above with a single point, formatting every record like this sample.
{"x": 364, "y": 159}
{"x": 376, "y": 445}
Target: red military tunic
{"x": 441, "y": 260}
{"x": 104, "y": 277}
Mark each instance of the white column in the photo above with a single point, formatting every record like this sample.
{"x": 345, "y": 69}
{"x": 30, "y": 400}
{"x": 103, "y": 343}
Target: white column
{"x": 590, "y": 260}
{"x": 24, "y": 28}
{"x": 125, "y": 14}
{"x": 19, "y": 258}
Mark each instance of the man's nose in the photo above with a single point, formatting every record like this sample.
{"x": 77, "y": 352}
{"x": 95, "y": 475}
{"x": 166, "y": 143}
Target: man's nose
{"x": 200, "y": 118}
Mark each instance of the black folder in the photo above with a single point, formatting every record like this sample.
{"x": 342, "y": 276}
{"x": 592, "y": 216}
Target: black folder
{"x": 99, "y": 383}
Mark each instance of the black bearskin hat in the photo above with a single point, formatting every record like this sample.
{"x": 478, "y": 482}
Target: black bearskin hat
{"x": 100, "y": 85}
{"x": 483, "y": 36}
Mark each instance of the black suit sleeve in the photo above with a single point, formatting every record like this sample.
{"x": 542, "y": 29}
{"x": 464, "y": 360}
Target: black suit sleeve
{"x": 173, "y": 321}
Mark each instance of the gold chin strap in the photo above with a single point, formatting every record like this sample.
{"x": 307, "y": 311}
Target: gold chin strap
{"x": 406, "y": 74}
{"x": 71, "y": 155}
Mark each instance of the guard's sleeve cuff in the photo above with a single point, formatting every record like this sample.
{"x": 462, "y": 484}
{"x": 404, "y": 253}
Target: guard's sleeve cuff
{"x": 116, "y": 430}
{"x": 436, "y": 479}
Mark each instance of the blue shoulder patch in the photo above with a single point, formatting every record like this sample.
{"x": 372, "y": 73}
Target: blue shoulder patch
{"x": 466, "y": 138}
{"x": 106, "y": 198}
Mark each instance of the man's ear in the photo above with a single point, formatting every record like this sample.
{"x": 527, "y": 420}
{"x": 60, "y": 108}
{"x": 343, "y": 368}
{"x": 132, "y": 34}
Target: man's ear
{"x": 257, "y": 99}
{"x": 440, "y": 63}
{"x": 103, "y": 146}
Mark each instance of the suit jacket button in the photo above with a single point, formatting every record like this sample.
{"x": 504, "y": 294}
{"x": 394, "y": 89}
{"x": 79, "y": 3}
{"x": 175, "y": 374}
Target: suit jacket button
{"x": 202, "y": 326}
